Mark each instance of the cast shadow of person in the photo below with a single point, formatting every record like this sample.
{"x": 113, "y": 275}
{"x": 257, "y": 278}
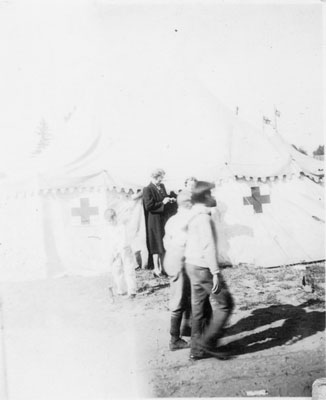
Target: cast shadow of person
{"x": 295, "y": 324}
{"x": 226, "y": 231}
{"x": 150, "y": 289}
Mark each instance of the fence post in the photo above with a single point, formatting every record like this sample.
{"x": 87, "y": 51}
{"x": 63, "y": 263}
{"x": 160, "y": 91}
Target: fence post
{"x": 3, "y": 363}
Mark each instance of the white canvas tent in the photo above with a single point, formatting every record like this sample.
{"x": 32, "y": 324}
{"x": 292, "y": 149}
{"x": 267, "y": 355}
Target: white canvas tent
{"x": 270, "y": 197}
{"x": 105, "y": 91}
{"x": 276, "y": 222}
{"x": 52, "y": 226}
{"x": 269, "y": 211}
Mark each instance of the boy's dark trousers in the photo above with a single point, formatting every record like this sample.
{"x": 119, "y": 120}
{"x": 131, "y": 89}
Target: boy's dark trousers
{"x": 180, "y": 304}
{"x": 207, "y": 331}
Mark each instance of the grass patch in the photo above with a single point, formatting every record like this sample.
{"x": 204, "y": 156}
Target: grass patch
{"x": 252, "y": 287}
{"x": 257, "y": 286}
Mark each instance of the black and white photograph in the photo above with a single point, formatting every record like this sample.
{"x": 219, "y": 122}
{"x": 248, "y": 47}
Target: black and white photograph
{"x": 162, "y": 215}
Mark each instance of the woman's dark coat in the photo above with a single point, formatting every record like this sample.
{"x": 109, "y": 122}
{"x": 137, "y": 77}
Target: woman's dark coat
{"x": 155, "y": 217}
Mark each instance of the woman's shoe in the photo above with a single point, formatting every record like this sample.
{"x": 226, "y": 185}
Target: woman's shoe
{"x": 178, "y": 344}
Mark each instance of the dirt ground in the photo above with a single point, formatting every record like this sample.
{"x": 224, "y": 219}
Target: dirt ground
{"x": 63, "y": 339}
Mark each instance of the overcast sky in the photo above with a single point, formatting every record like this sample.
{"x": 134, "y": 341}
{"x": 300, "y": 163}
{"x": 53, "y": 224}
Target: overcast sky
{"x": 134, "y": 69}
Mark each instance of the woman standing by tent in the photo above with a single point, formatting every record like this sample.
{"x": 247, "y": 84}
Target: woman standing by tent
{"x": 156, "y": 208}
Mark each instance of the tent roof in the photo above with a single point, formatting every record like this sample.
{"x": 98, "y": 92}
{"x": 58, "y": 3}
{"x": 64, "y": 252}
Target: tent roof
{"x": 194, "y": 135}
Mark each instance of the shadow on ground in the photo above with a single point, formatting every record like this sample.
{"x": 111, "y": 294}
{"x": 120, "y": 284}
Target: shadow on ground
{"x": 297, "y": 324}
{"x": 150, "y": 287}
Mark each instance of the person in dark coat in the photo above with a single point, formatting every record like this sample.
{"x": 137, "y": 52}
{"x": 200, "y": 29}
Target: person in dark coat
{"x": 157, "y": 206}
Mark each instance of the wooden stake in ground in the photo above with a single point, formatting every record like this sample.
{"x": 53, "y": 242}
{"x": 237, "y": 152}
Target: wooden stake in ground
{"x": 3, "y": 364}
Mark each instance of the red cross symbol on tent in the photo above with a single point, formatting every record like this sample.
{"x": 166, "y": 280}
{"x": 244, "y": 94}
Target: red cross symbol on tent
{"x": 85, "y": 211}
{"x": 256, "y": 200}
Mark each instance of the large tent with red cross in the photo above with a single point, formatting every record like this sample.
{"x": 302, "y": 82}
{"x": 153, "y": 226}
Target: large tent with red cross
{"x": 271, "y": 213}
{"x": 270, "y": 199}
{"x": 90, "y": 108}
{"x": 53, "y": 222}
{"x": 270, "y": 196}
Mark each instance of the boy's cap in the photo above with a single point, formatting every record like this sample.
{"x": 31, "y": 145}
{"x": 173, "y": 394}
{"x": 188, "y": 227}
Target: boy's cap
{"x": 202, "y": 187}
{"x": 184, "y": 197}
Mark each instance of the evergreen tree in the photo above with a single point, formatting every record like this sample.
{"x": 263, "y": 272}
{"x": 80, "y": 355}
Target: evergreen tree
{"x": 319, "y": 151}
{"x": 45, "y": 137}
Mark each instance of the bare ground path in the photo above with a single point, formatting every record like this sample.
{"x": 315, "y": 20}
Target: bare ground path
{"x": 64, "y": 340}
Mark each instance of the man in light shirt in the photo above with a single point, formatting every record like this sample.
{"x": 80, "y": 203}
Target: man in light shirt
{"x": 207, "y": 284}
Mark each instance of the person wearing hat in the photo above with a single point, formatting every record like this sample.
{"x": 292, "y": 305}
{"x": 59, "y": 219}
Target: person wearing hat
{"x": 156, "y": 208}
{"x": 206, "y": 280}
{"x": 174, "y": 243}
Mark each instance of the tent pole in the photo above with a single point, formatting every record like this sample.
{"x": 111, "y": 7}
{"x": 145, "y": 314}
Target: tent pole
{"x": 3, "y": 363}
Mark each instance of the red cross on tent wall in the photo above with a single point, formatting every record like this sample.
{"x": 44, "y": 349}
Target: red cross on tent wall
{"x": 256, "y": 199}
{"x": 85, "y": 211}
